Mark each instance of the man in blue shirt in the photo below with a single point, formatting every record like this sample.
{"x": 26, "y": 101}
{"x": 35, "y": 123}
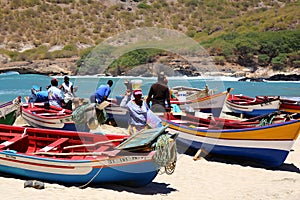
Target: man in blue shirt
{"x": 101, "y": 93}
{"x": 37, "y": 95}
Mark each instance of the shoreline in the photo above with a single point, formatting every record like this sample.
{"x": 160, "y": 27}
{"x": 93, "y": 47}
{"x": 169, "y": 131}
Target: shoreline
{"x": 67, "y": 66}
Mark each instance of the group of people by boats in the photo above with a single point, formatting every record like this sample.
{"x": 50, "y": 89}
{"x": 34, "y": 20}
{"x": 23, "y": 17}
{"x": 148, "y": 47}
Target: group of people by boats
{"x": 80, "y": 153}
{"x": 57, "y": 95}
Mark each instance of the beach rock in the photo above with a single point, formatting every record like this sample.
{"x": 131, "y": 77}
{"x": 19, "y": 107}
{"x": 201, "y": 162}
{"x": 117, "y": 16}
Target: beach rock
{"x": 65, "y": 66}
{"x": 283, "y": 77}
{"x": 34, "y": 184}
{"x": 252, "y": 79}
{"x": 4, "y": 58}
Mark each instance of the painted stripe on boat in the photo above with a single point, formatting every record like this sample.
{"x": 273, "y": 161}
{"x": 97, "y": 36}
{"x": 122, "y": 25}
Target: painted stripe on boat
{"x": 281, "y": 131}
{"x": 285, "y": 145}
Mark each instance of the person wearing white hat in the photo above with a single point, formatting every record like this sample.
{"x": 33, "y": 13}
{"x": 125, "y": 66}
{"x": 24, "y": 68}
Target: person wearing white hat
{"x": 137, "y": 109}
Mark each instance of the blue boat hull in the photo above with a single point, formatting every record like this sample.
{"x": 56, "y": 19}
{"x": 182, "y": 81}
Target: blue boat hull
{"x": 255, "y": 113}
{"x": 135, "y": 174}
{"x": 261, "y": 156}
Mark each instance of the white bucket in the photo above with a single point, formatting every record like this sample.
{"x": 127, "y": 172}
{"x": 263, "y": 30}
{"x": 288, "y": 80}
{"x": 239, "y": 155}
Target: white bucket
{"x": 136, "y": 84}
{"x": 182, "y": 96}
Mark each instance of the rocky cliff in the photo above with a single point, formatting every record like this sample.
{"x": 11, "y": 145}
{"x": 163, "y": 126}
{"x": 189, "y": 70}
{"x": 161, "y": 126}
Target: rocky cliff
{"x": 64, "y": 66}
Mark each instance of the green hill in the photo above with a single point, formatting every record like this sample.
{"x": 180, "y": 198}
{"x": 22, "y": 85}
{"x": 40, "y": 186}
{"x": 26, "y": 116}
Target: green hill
{"x": 248, "y": 32}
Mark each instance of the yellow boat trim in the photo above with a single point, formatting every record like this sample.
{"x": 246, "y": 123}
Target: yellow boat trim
{"x": 281, "y": 132}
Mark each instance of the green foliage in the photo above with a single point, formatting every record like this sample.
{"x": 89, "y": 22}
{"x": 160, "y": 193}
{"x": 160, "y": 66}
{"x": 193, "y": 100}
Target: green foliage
{"x": 268, "y": 46}
{"x": 236, "y": 30}
{"x": 70, "y": 47}
{"x": 136, "y": 57}
{"x": 219, "y": 60}
{"x": 296, "y": 63}
{"x": 143, "y": 6}
{"x": 263, "y": 59}
{"x": 279, "y": 62}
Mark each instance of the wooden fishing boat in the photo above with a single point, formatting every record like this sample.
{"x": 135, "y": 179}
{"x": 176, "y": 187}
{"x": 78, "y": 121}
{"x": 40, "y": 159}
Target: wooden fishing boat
{"x": 190, "y": 93}
{"x": 80, "y": 158}
{"x": 211, "y": 104}
{"x": 289, "y": 105}
{"x": 8, "y": 111}
{"x": 42, "y": 115}
{"x": 252, "y": 106}
{"x": 210, "y": 122}
{"x": 264, "y": 145}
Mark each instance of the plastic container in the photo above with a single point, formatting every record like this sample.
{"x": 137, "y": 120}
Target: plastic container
{"x": 136, "y": 84}
{"x": 182, "y": 96}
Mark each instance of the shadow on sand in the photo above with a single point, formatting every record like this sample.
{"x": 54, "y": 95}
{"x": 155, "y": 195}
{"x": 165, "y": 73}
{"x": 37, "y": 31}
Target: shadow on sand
{"x": 152, "y": 188}
{"x": 241, "y": 161}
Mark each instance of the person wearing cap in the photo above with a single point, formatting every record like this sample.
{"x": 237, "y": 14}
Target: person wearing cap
{"x": 54, "y": 94}
{"x": 159, "y": 95}
{"x": 101, "y": 93}
{"x": 67, "y": 89}
{"x": 137, "y": 110}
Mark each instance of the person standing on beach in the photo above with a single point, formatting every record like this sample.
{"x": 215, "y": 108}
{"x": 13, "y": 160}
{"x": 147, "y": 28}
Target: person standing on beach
{"x": 137, "y": 110}
{"x": 67, "y": 88}
{"x": 101, "y": 93}
{"x": 54, "y": 94}
{"x": 159, "y": 95}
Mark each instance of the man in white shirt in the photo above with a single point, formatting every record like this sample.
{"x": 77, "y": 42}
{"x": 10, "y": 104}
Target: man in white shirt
{"x": 54, "y": 94}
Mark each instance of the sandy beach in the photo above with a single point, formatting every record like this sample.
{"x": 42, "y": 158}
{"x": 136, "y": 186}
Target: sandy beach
{"x": 202, "y": 179}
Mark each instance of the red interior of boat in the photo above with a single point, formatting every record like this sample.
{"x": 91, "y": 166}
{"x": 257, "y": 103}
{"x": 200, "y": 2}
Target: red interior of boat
{"x": 241, "y": 99}
{"x": 210, "y": 122}
{"x": 38, "y": 108}
{"x": 64, "y": 144}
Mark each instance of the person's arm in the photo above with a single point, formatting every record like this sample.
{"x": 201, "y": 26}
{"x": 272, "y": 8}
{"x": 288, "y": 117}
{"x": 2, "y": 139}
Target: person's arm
{"x": 106, "y": 93}
{"x": 168, "y": 97}
{"x": 149, "y": 98}
{"x": 72, "y": 91}
{"x": 125, "y": 101}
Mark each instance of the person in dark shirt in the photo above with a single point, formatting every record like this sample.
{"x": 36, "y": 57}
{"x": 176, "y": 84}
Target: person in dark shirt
{"x": 159, "y": 95}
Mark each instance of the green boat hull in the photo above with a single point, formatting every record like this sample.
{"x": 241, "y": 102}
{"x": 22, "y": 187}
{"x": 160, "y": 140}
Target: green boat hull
{"x": 8, "y": 119}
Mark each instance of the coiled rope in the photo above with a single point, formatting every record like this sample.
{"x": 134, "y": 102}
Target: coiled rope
{"x": 165, "y": 155}
{"x": 266, "y": 121}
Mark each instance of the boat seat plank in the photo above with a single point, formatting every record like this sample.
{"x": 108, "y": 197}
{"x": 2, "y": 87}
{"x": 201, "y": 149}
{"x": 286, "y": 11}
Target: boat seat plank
{"x": 53, "y": 145}
{"x": 102, "y": 148}
{"x": 51, "y": 114}
{"x": 12, "y": 141}
{"x": 4, "y": 134}
{"x": 94, "y": 144}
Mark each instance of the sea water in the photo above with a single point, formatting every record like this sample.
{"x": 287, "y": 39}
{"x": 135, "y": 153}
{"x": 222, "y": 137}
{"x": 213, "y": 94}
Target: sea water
{"x": 20, "y": 84}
